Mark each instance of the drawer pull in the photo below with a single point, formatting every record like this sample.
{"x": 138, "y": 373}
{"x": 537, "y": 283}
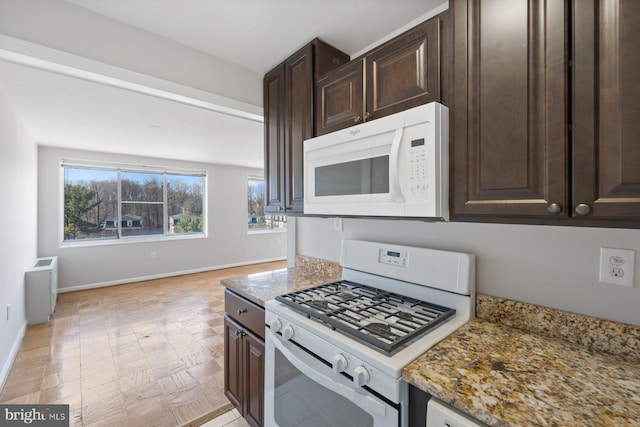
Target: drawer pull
{"x": 240, "y": 311}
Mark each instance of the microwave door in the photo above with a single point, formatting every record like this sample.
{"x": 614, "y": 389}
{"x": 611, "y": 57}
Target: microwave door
{"x": 354, "y": 177}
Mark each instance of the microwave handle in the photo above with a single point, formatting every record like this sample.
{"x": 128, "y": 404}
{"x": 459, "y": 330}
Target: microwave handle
{"x": 394, "y": 167}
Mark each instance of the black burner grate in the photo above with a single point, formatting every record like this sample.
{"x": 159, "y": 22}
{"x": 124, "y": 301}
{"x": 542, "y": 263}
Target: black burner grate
{"x": 384, "y": 320}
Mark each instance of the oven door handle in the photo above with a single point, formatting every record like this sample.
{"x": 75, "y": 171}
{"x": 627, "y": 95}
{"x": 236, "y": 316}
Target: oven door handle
{"x": 336, "y": 384}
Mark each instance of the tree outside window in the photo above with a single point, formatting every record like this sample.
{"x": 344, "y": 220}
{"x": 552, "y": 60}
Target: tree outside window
{"x": 256, "y": 219}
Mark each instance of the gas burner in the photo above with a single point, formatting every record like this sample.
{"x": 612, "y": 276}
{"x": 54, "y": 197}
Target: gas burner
{"x": 404, "y": 315}
{"x": 344, "y": 296}
{"x": 383, "y": 320}
{"x": 381, "y": 329}
{"x": 319, "y": 305}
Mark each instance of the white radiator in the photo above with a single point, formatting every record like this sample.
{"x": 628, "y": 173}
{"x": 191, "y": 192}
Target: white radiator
{"x": 42, "y": 290}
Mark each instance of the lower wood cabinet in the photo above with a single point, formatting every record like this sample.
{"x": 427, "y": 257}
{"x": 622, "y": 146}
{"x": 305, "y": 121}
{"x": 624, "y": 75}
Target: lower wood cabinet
{"x": 244, "y": 358}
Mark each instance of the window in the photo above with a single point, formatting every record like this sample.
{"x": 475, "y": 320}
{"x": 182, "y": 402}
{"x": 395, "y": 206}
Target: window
{"x": 104, "y": 202}
{"x": 257, "y": 220}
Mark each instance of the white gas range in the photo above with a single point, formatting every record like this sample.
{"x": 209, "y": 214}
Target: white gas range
{"x": 335, "y": 353}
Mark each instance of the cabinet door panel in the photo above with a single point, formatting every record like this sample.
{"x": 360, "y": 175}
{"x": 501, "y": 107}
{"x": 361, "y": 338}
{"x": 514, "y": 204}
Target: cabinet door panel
{"x": 233, "y": 379}
{"x": 340, "y": 98}
{"x": 274, "y": 111}
{"x": 405, "y": 72}
{"x": 606, "y": 132}
{"x": 253, "y": 352}
{"x": 299, "y": 123}
{"x": 509, "y": 108}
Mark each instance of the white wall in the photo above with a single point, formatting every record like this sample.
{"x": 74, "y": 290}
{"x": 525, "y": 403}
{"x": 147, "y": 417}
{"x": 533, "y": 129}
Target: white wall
{"x": 18, "y": 190}
{"x": 227, "y": 243}
{"x": 61, "y": 25}
{"x": 545, "y": 265}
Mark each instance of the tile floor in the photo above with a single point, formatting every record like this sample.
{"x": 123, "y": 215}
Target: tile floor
{"x": 141, "y": 354}
{"x": 228, "y": 419}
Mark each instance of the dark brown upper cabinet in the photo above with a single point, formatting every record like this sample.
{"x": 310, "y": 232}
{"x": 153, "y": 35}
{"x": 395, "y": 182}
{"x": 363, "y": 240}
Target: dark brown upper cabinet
{"x": 545, "y": 132}
{"x": 289, "y": 120}
{"x": 606, "y": 110}
{"x": 404, "y": 72}
{"x": 274, "y": 123}
{"x": 340, "y": 98}
{"x": 509, "y": 109}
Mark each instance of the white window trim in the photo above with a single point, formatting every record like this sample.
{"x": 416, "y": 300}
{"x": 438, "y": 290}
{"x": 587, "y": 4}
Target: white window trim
{"x": 122, "y": 240}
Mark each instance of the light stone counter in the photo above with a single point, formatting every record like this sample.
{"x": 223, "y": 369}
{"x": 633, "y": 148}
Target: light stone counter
{"x": 261, "y": 287}
{"x": 547, "y": 376}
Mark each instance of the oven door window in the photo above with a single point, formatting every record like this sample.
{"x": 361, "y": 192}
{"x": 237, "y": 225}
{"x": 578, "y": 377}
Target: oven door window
{"x": 364, "y": 176}
{"x": 300, "y": 401}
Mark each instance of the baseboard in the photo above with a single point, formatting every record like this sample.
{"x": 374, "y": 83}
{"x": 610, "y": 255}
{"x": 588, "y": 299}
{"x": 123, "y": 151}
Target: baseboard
{"x": 162, "y": 276}
{"x": 4, "y": 374}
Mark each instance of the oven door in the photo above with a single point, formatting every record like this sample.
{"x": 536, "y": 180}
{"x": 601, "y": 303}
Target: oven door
{"x": 301, "y": 390}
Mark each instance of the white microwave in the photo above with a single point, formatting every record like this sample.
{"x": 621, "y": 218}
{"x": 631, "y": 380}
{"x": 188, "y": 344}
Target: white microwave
{"x": 396, "y": 166}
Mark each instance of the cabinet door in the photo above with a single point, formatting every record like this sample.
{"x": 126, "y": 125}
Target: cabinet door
{"x": 299, "y": 123}
{"x": 253, "y": 359}
{"x": 606, "y": 110}
{"x": 404, "y": 72}
{"x": 274, "y": 134}
{"x": 233, "y": 379}
{"x": 340, "y": 98}
{"x": 509, "y": 115}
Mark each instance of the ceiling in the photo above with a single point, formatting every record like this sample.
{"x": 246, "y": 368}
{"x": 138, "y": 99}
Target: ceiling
{"x": 60, "y": 110}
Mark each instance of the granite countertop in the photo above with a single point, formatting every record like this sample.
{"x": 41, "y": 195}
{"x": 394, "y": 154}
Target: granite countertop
{"x": 261, "y": 287}
{"x": 505, "y": 376}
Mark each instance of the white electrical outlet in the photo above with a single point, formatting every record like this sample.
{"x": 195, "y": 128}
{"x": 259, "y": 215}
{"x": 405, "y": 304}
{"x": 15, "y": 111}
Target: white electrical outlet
{"x": 154, "y": 255}
{"x": 617, "y": 266}
{"x": 337, "y": 224}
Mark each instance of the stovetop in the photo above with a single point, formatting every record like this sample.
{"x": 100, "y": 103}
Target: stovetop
{"x": 383, "y": 320}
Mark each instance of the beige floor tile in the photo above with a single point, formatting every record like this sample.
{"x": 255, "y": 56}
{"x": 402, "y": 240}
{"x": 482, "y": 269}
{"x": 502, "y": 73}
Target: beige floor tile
{"x": 104, "y": 351}
{"x": 136, "y": 395}
{"x": 136, "y": 379}
{"x": 191, "y": 410}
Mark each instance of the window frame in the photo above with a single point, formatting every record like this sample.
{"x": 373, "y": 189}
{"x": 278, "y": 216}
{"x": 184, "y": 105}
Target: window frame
{"x": 253, "y": 176}
{"x": 119, "y": 167}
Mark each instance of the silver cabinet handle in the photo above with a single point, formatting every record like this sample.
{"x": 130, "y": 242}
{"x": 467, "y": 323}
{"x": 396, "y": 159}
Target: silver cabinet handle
{"x": 554, "y": 208}
{"x": 357, "y": 119}
{"x": 583, "y": 209}
{"x": 240, "y": 311}
{"x": 367, "y": 116}
{"x": 280, "y": 208}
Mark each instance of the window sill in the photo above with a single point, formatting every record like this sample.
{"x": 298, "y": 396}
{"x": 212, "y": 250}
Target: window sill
{"x": 129, "y": 240}
{"x": 275, "y": 230}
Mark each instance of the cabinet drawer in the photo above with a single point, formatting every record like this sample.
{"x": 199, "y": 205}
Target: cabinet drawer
{"x": 248, "y": 314}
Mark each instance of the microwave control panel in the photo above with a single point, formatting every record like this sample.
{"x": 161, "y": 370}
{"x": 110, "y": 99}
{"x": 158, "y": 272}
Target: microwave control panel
{"x": 418, "y": 182}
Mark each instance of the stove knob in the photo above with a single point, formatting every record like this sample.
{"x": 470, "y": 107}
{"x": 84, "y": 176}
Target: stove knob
{"x": 360, "y": 376}
{"x": 275, "y": 325}
{"x": 339, "y": 363}
{"x": 287, "y": 332}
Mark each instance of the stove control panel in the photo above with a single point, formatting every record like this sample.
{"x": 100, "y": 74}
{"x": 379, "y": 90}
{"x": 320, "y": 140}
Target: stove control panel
{"x": 392, "y": 257}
